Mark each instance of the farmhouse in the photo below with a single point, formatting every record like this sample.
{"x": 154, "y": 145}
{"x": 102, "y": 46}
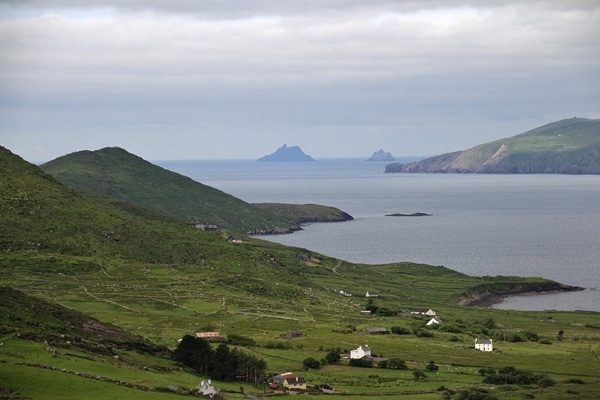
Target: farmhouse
{"x": 423, "y": 311}
{"x": 208, "y": 335}
{"x": 207, "y": 227}
{"x": 372, "y": 294}
{"x": 278, "y": 380}
{"x": 346, "y": 292}
{"x": 295, "y": 383}
{"x": 484, "y": 345}
{"x": 360, "y": 352}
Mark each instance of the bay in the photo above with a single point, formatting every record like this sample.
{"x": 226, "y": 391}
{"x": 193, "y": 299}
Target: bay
{"x": 480, "y": 224}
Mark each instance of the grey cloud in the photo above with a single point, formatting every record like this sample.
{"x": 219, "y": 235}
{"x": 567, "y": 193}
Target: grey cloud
{"x": 262, "y": 68}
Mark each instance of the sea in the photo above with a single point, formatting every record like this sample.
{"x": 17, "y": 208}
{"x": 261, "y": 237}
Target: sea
{"x": 542, "y": 225}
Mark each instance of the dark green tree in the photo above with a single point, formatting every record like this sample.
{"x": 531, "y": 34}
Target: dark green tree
{"x": 400, "y": 330}
{"x": 311, "y": 363}
{"x": 195, "y": 353}
{"x": 332, "y": 357}
{"x": 419, "y": 375}
{"x": 396, "y": 363}
{"x": 431, "y": 366}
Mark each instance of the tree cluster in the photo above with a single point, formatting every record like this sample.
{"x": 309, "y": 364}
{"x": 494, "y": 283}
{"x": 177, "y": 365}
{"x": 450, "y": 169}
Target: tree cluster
{"x": 221, "y": 363}
{"x": 332, "y": 357}
{"x": 513, "y": 376}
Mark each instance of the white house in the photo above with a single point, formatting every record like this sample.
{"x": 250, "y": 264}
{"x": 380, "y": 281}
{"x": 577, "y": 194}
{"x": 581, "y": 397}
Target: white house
{"x": 434, "y": 320}
{"x": 484, "y": 345}
{"x": 372, "y": 294}
{"x": 207, "y": 389}
{"x": 423, "y": 311}
{"x": 360, "y": 352}
{"x": 346, "y": 292}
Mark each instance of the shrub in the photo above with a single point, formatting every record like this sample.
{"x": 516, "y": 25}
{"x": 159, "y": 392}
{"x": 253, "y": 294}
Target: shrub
{"x": 423, "y": 333}
{"x": 419, "y": 375}
{"x": 431, "y": 366}
{"x": 311, "y": 363}
{"x": 450, "y": 328}
{"x": 360, "y": 362}
{"x": 239, "y": 340}
{"x": 400, "y": 330}
{"x": 332, "y": 357}
{"x": 396, "y": 363}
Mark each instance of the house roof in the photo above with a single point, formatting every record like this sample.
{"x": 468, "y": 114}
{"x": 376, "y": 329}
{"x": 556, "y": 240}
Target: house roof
{"x": 421, "y": 310}
{"x": 435, "y": 320}
{"x": 483, "y": 341}
{"x": 295, "y": 380}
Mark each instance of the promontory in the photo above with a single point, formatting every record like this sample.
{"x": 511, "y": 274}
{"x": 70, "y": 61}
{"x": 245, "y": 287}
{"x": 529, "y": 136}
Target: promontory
{"x": 569, "y": 146}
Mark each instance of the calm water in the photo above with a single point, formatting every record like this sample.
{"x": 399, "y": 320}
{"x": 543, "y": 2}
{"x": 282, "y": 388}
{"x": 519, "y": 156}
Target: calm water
{"x": 525, "y": 225}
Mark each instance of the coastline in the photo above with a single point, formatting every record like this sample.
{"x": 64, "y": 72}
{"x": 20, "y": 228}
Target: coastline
{"x": 489, "y": 298}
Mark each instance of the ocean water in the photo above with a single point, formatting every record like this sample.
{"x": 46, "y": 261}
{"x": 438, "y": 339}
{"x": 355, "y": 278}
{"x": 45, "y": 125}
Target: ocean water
{"x": 522, "y": 225}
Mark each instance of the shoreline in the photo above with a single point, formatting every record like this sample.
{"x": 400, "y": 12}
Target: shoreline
{"x": 488, "y": 299}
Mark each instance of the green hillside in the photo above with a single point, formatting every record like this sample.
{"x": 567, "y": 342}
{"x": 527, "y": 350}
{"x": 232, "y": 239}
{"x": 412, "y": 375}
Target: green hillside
{"x": 570, "y": 146}
{"x": 114, "y": 172}
{"x": 95, "y": 294}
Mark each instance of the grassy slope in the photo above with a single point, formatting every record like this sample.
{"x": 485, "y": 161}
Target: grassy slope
{"x": 163, "y": 279}
{"x": 566, "y": 146}
{"x": 116, "y": 173}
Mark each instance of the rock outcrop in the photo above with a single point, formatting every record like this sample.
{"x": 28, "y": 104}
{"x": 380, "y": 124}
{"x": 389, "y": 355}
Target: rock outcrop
{"x": 285, "y": 153}
{"x": 381, "y": 155}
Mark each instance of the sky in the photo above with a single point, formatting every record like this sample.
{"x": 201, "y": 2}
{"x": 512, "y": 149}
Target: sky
{"x": 230, "y": 79}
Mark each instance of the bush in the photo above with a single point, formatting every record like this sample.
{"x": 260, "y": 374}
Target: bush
{"x": 311, "y": 363}
{"x": 423, "y": 333}
{"x": 332, "y": 357}
{"x": 400, "y": 330}
{"x": 450, "y": 328}
{"x": 360, "y": 362}
{"x": 431, "y": 366}
{"x": 396, "y": 363}
{"x": 238, "y": 340}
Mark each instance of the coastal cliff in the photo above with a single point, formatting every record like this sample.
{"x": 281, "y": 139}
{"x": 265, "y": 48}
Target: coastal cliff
{"x": 570, "y": 146}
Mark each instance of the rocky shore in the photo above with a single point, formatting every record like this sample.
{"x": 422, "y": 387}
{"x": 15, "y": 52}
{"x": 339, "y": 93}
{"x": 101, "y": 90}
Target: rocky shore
{"x": 488, "y": 298}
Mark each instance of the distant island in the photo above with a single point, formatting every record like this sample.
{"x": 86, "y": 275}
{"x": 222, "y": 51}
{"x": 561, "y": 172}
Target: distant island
{"x": 285, "y": 153}
{"x": 569, "y": 146}
{"x": 381, "y": 155}
{"x": 416, "y": 214}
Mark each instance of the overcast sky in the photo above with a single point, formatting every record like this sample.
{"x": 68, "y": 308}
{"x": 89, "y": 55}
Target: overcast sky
{"x": 231, "y": 79}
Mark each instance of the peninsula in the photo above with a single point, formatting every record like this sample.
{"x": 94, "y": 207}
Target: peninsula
{"x": 570, "y": 146}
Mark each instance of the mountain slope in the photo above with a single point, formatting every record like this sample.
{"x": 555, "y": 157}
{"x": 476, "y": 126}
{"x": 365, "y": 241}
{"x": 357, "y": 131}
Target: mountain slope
{"x": 39, "y": 214}
{"x": 570, "y": 146}
{"x": 116, "y": 173}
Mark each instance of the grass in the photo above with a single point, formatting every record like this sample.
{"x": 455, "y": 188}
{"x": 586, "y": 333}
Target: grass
{"x": 147, "y": 280}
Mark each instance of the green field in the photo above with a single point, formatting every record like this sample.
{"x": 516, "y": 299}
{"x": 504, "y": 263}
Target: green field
{"x": 95, "y": 294}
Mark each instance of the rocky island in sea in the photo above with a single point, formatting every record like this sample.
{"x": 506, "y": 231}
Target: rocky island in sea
{"x": 285, "y": 153}
{"x": 381, "y": 155}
